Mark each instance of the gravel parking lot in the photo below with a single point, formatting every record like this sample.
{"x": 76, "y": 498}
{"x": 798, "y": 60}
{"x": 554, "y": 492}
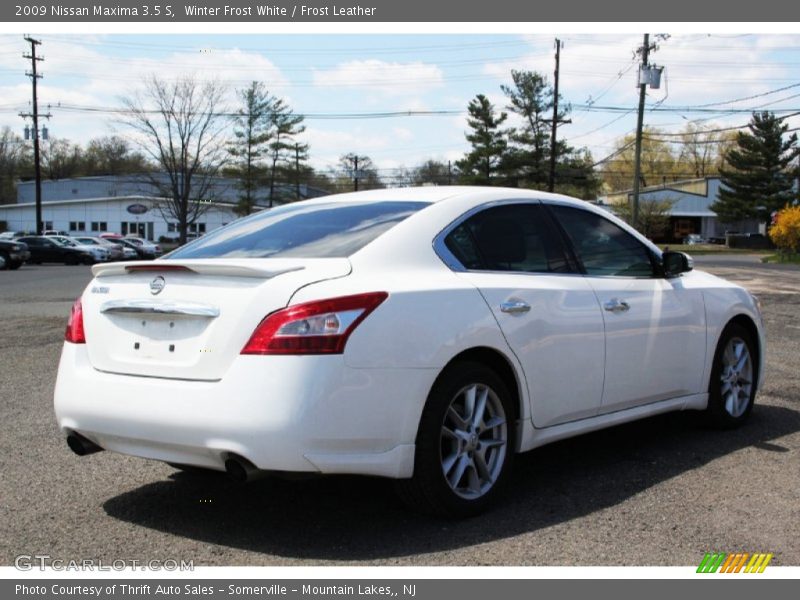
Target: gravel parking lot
{"x": 658, "y": 492}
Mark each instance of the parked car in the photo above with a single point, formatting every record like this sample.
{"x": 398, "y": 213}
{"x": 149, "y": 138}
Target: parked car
{"x": 128, "y": 252}
{"x": 426, "y": 335}
{"x": 52, "y": 232}
{"x": 10, "y": 235}
{"x": 14, "y": 253}
{"x": 114, "y": 250}
{"x": 43, "y": 249}
{"x": 99, "y": 253}
{"x": 693, "y": 239}
{"x": 142, "y": 252}
{"x": 149, "y": 249}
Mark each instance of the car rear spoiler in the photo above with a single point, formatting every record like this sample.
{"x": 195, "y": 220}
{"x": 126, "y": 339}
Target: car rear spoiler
{"x": 218, "y": 269}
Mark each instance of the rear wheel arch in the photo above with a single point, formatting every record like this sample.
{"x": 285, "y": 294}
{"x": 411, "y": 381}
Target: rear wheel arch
{"x": 466, "y": 437}
{"x": 500, "y": 364}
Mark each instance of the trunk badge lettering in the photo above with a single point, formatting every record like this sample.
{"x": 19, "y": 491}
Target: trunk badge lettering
{"x": 157, "y": 285}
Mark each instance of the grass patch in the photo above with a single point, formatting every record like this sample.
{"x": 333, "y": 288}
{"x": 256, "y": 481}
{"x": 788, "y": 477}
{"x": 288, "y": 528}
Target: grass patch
{"x": 709, "y": 249}
{"x": 786, "y": 259}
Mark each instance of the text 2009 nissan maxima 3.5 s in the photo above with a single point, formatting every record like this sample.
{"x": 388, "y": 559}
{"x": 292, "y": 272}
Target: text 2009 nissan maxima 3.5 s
{"x": 425, "y": 335}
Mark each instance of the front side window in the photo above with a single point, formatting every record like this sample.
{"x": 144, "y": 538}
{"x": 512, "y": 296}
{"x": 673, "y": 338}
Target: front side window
{"x": 327, "y": 230}
{"x": 513, "y": 237}
{"x": 604, "y": 248}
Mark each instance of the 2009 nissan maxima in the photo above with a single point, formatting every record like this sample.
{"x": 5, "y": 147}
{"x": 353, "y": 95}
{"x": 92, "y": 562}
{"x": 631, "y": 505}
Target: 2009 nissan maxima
{"x": 425, "y": 335}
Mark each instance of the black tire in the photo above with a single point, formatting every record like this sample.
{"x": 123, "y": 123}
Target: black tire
{"x": 6, "y": 263}
{"x": 13, "y": 265}
{"x": 732, "y": 389}
{"x": 465, "y": 491}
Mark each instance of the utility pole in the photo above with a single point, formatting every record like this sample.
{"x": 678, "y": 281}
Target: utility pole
{"x": 355, "y": 173}
{"x": 640, "y": 121}
{"x": 449, "y": 173}
{"x": 35, "y": 133}
{"x": 552, "y": 181}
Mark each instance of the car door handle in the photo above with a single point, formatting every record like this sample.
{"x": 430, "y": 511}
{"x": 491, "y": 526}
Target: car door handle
{"x": 616, "y": 305}
{"x": 515, "y": 307}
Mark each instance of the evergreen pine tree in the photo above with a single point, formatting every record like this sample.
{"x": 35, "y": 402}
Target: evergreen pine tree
{"x": 286, "y": 126}
{"x": 252, "y": 133}
{"x": 758, "y": 177}
{"x": 481, "y": 165}
{"x": 531, "y": 97}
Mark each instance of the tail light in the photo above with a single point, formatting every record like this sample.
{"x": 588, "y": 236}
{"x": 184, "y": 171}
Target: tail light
{"x": 319, "y": 327}
{"x": 74, "y": 332}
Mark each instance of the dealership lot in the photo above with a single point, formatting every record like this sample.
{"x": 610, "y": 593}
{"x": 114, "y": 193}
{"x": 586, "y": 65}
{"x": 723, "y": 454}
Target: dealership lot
{"x": 662, "y": 491}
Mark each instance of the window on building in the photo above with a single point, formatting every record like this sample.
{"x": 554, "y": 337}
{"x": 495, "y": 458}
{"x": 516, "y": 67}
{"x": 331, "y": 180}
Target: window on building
{"x": 77, "y": 226}
{"x": 48, "y": 225}
{"x": 201, "y": 227}
{"x": 99, "y": 226}
{"x": 172, "y": 227}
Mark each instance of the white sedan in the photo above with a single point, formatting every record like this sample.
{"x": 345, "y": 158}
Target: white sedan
{"x": 425, "y": 335}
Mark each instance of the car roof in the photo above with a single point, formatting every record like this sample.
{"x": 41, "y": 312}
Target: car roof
{"x": 441, "y": 193}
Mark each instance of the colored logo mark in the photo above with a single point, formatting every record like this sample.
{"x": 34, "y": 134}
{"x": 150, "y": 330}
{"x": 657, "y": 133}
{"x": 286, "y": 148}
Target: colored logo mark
{"x": 743, "y": 562}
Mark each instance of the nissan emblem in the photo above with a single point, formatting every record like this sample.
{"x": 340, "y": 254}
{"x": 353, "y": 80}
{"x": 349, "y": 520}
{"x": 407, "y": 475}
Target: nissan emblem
{"x": 157, "y": 285}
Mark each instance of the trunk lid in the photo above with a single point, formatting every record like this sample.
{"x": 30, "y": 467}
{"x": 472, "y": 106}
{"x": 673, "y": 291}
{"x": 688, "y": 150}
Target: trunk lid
{"x": 188, "y": 319}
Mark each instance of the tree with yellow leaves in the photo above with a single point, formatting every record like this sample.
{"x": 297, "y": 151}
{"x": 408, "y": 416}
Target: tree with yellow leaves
{"x": 785, "y": 231}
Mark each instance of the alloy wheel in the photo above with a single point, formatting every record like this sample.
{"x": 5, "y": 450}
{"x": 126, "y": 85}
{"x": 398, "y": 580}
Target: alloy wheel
{"x": 736, "y": 378}
{"x": 473, "y": 441}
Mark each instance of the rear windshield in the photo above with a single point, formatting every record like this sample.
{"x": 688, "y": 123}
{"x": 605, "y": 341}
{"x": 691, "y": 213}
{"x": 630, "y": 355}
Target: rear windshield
{"x": 302, "y": 230}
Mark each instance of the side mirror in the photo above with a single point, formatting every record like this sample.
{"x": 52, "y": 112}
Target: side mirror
{"x": 675, "y": 263}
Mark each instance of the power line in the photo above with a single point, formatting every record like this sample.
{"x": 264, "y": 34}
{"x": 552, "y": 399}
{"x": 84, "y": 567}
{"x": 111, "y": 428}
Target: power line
{"x": 770, "y": 92}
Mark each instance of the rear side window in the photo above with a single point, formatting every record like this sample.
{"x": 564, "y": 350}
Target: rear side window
{"x": 302, "y": 230}
{"x": 514, "y": 237}
{"x": 604, "y": 248}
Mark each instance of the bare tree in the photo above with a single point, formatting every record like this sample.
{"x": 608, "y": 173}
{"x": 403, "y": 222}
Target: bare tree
{"x": 61, "y": 159}
{"x": 653, "y": 221}
{"x": 181, "y": 125}
{"x": 358, "y": 172}
{"x": 112, "y": 155}
{"x": 15, "y": 162}
{"x": 700, "y": 151}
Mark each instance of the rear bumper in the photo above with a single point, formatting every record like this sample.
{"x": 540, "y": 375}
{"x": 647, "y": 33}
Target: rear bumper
{"x": 283, "y": 413}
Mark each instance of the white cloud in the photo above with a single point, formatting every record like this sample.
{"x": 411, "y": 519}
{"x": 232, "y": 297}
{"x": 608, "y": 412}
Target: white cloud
{"x": 403, "y": 134}
{"x": 386, "y": 78}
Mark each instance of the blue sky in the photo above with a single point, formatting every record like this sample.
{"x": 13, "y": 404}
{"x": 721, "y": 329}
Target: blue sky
{"x": 357, "y": 73}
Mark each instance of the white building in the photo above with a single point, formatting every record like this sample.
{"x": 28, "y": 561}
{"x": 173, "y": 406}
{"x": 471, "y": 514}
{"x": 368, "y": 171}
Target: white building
{"x": 121, "y": 204}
